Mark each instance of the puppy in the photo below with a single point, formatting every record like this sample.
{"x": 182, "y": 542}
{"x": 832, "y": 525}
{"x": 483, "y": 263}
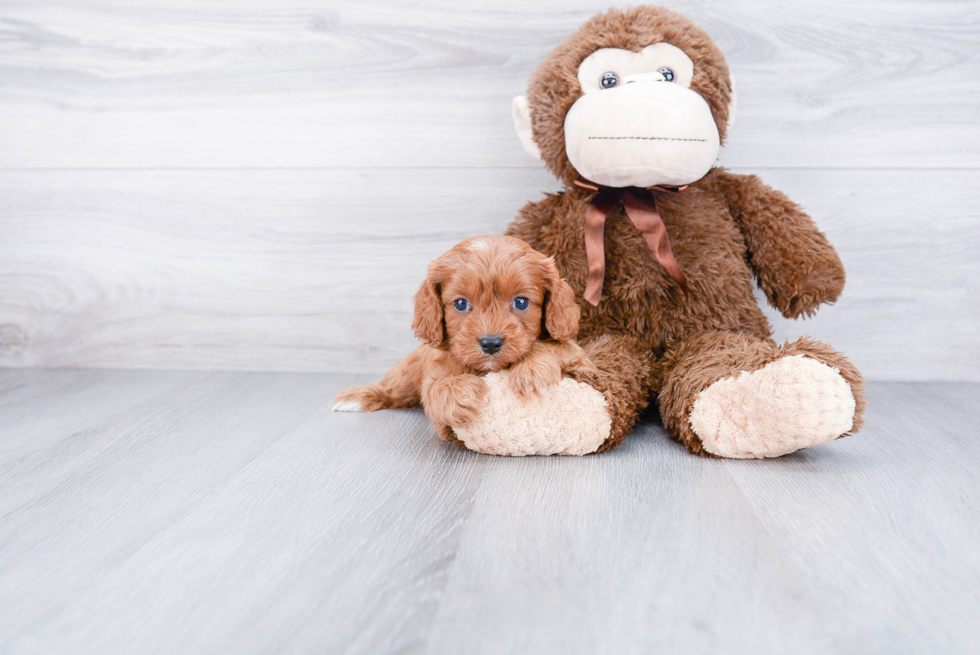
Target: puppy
{"x": 490, "y": 303}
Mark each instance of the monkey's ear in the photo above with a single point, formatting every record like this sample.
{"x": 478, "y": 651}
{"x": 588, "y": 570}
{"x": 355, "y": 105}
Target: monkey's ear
{"x": 522, "y": 123}
{"x": 732, "y": 103}
{"x": 429, "y": 322}
{"x": 561, "y": 313}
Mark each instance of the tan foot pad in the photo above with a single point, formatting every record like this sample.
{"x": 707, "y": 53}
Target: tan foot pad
{"x": 789, "y": 404}
{"x": 569, "y": 419}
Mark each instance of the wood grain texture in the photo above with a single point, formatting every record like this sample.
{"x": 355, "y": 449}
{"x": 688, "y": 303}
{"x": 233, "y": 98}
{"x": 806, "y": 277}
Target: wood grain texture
{"x": 185, "y": 84}
{"x": 200, "y": 512}
{"x": 315, "y": 270}
{"x": 375, "y": 135}
{"x": 165, "y": 504}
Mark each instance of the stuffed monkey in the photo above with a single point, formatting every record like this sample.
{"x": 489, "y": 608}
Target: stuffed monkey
{"x": 661, "y": 247}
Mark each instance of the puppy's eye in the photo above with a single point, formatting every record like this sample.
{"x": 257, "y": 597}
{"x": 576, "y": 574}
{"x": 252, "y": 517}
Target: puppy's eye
{"x": 667, "y": 73}
{"x": 461, "y": 304}
{"x": 521, "y": 303}
{"x": 609, "y": 80}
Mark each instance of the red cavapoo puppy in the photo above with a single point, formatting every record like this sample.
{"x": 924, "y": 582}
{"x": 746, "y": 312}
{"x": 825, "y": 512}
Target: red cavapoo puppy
{"x": 490, "y": 303}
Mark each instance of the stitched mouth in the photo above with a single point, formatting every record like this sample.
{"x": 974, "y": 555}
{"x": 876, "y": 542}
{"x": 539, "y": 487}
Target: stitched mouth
{"x": 643, "y": 138}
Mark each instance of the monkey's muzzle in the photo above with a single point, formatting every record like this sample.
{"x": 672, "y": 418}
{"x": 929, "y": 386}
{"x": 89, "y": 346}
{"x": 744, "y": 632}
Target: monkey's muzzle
{"x": 642, "y": 134}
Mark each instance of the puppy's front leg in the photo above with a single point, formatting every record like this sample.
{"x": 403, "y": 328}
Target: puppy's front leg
{"x": 454, "y": 401}
{"x": 545, "y": 365}
{"x": 575, "y": 362}
{"x": 541, "y": 368}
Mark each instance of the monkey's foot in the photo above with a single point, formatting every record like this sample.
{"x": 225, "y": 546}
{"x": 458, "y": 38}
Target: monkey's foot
{"x": 788, "y": 404}
{"x": 570, "y": 418}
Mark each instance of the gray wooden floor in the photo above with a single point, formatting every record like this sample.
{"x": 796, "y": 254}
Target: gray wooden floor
{"x": 202, "y": 512}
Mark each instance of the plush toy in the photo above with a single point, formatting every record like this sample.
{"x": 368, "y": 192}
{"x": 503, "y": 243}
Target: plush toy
{"x": 661, "y": 247}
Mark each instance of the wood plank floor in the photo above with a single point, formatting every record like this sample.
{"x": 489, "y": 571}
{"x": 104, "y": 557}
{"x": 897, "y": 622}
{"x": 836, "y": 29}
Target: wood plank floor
{"x": 202, "y": 512}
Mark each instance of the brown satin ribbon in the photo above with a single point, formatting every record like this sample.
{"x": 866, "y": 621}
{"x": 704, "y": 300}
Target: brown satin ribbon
{"x": 641, "y": 208}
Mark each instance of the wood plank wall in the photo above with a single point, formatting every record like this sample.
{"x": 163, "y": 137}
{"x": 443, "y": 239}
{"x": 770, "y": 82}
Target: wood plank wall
{"x": 259, "y": 185}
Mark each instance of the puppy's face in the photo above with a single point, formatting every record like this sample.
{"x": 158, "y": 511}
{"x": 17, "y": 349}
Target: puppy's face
{"x": 489, "y": 298}
{"x": 492, "y": 310}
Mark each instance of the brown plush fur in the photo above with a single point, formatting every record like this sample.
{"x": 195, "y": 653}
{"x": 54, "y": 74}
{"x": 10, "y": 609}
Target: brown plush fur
{"x": 704, "y": 359}
{"x": 443, "y": 374}
{"x": 647, "y": 338}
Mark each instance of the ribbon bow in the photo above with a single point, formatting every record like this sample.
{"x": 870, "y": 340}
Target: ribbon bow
{"x": 641, "y": 208}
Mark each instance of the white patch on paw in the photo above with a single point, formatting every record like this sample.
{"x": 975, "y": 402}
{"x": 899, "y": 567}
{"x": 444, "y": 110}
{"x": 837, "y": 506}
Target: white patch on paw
{"x": 347, "y": 406}
{"x": 569, "y": 419}
{"x": 788, "y": 404}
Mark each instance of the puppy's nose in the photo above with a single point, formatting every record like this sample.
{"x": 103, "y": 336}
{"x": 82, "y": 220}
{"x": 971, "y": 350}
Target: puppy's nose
{"x": 491, "y": 343}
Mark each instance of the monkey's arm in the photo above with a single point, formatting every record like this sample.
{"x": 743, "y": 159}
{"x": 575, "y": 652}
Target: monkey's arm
{"x": 795, "y": 265}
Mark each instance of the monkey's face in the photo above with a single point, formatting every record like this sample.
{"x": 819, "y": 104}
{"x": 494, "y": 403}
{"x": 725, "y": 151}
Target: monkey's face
{"x": 635, "y": 97}
{"x": 638, "y": 123}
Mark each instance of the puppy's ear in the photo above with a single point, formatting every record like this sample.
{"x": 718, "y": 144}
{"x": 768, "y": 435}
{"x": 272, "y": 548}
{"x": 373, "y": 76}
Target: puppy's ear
{"x": 561, "y": 313}
{"x": 429, "y": 322}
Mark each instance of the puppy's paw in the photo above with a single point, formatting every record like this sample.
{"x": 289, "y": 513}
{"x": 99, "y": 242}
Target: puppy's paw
{"x": 446, "y": 433}
{"x": 347, "y": 406}
{"x": 455, "y": 401}
{"x": 368, "y": 398}
{"x": 470, "y": 399}
{"x": 534, "y": 375}
{"x": 583, "y": 367}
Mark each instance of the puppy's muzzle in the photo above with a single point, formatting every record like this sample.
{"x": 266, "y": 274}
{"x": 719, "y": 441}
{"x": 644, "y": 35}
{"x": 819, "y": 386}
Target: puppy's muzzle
{"x": 491, "y": 343}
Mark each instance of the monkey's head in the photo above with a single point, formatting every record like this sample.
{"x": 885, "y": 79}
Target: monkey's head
{"x": 633, "y": 98}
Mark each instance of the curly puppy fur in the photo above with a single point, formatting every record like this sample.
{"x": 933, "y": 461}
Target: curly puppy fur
{"x": 645, "y": 337}
{"x": 443, "y": 374}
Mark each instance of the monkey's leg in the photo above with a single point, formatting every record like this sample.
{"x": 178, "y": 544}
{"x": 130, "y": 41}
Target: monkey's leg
{"x": 731, "y": 394}
{"x": 623, "y": 375}
{"x": 587, "y": 415}
{"x": 401, "y": 387}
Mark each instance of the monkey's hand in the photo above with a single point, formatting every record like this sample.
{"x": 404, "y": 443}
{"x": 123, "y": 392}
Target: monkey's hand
{"x": 455, "y": 401}
{"x": 795, "y": 264}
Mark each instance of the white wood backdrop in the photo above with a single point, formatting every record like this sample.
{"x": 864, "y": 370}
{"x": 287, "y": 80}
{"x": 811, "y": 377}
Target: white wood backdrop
{"x": 259, "y": 185}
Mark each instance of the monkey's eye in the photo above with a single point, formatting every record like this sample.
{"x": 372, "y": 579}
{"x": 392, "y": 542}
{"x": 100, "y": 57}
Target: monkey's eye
{"x": 461, "y": 304}
{"x": 667, "y": 73}
{"x": 521, "y": 303}
{"x": 609, "y": 80}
